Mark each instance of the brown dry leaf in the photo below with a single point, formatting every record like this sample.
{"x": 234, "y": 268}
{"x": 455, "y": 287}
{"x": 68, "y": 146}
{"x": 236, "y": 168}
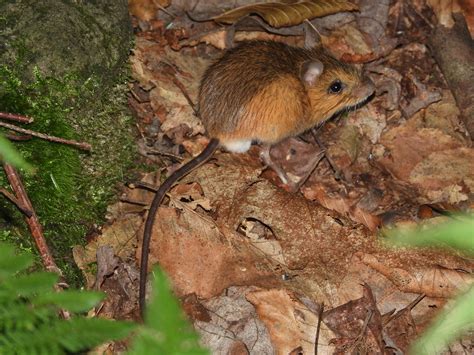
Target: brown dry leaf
{"x": 346, "y": 40}
{"x": 433, "y": 281}
{"x": 289, "y": 322}
{"x": 263, "y": 239}
{"x": 218, "y": 38}
{"x": 388, "y": 295}
{"x": 191, "y": 195}
{"x": 107, "y": 262}
{"x": 121, "y": 236}
{"x": 157, "y": 71}
{"x": 370, "y": 120}
{"x": 446, "y": 176}
{"x": 198, "y": 257}
{"x": 428, "y": 153}
{"x": 308, "y": 234}
{"x": 233, "y": 325}
{"x": 289, "y": 13}
{"x": 406, "y": 146}
{"x": 401, "y": 328}
{"x": 344, "y": 205}
{"x": 349, "y": 320}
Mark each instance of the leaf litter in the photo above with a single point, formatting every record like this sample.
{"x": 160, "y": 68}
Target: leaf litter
{"x": 254, "y": 263}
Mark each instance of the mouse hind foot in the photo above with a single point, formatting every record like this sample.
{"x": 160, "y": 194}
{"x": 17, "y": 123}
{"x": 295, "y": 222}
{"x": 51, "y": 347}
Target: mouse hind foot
{"x": 268, "y": 161}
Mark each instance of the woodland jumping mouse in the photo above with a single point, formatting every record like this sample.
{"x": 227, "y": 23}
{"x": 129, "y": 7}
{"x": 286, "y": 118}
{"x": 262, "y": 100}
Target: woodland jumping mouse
{"x": 263, "y": 91}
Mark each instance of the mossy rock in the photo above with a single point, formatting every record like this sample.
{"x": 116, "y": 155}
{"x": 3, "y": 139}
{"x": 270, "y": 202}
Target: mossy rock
{"x": 65, "y": 64}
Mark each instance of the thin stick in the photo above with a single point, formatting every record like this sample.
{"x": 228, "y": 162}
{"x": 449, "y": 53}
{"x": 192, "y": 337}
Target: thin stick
{"x": 142, "y": 185}
{"x": 80, "y": 145}
{"x": 33, "y": 222}
{"x": 318, "y": 328}
{"x": 15, "y": 117}
{"x": 15, "y": 201}
{"x": 165, "y": 154}
{"x": 17, "y": 138}
{"x": 133, "y": 202}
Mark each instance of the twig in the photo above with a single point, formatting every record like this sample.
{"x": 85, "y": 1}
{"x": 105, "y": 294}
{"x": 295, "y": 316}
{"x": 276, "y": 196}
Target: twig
{"x": 15, "y": 117}
{"x": 33, "y": 222}
{"x": 17, "y": 138}
{"x": 165, "y": 154}
{"x": 409, "y": 307}
{"x": 142, "y": 185}
{"x": 15, "y": 201}
{"x": 318, "y": 328}
{"x": 81, "y": 145}
{"x": 133, "y": 202}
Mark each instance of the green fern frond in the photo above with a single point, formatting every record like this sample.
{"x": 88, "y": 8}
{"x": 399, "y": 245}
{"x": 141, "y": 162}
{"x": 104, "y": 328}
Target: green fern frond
{"x": 166, "y": 330}
{"x": 29, "y": 322}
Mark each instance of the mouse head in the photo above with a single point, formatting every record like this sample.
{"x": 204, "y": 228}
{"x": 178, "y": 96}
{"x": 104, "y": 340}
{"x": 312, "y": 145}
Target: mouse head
{"x": 333, "y": 86}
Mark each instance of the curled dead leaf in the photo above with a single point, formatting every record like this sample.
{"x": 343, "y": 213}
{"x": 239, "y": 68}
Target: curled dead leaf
{"x": 289, "y": 13}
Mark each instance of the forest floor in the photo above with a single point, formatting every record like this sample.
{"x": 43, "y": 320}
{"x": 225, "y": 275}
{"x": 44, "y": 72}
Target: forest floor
{"x": 254, "y": 263}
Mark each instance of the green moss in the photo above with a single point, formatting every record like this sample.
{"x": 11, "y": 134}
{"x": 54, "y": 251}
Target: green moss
{"x": 70, "y": 188}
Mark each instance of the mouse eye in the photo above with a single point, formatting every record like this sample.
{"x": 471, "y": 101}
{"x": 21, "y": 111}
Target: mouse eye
{"x": 335, "y": 87}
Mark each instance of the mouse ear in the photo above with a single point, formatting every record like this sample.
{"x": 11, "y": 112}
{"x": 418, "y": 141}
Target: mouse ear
{"x": 310, "y": 71}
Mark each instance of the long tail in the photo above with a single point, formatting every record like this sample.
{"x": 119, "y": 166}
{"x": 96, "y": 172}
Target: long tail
{"x": 205, "y": 155}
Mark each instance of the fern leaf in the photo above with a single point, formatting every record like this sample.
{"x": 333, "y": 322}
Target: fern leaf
{"x": 166, "y": 329}
{"x": 35, "y": 283}
{"x": 10, "y": 263}
{"x": 72, "y": 300}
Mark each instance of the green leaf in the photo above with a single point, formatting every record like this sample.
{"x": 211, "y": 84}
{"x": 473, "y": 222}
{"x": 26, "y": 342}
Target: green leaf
{"x": 72, "y": 335}
{"x": 11, "y": 263}
{"x": 449, "y": 325}
{"x": 82, "y": 333}
{"x": 458, "y": 234}
{"x": 9, "y": 154}
{"x": 166, "y": 329}
{"x": 72, "y": 300}
{"x": 34, "y": 283}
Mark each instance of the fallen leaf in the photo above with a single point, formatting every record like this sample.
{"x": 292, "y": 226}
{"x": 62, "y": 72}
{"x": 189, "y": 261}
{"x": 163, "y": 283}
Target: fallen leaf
{"x": 121, "y": 236}
{"x": 358, "y": 324}
{"x": 433, "y": 281}
{"x": 344, "y": 205}
{"x": 288, "y": 13}
{"x": 199, "y": 257}
{"x": 191, "y": 195}
{"x": 234, "y": 324}
{"x": 289, "y": 322}
{"x": 446, "y": 176}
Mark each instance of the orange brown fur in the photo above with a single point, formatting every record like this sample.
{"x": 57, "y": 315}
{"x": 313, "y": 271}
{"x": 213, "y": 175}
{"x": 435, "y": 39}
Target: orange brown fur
{"x": 256, "y": 92}
{"x": 267, "y": 117}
